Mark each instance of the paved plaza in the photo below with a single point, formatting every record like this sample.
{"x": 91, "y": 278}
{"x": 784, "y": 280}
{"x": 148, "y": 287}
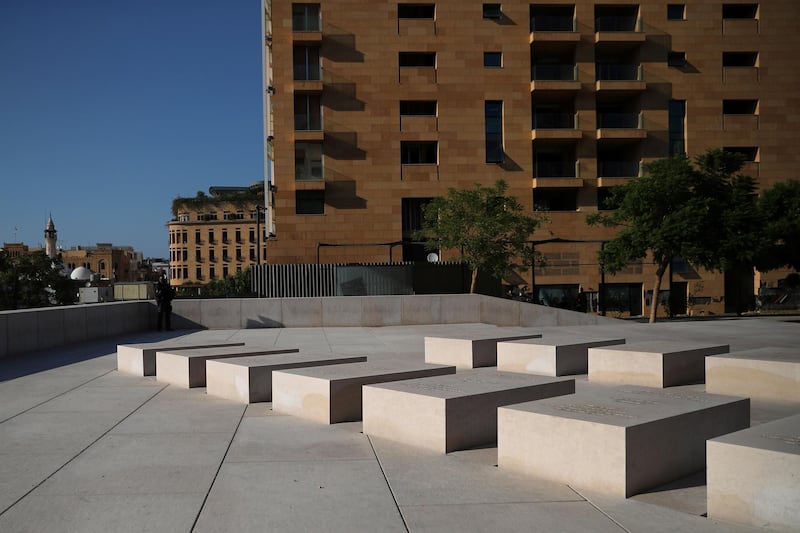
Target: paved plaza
{"x": 86, "y": 448}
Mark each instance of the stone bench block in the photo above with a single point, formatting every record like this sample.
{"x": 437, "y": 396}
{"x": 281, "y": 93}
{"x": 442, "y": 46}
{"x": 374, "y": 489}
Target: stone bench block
{"x": 140, "y": 359}
{"x": 453, "y": 412}
{"x": 753, "y": 476}
{"x": 249, "y": 379}
{"x": 771, "y": 374}
{"x": 187, "y": 368}
{"x": 468, "y": 351}
{"x": 331, "y": 394}
{"x": 553, "y": 355}
{"x": 652, "y": 363}
{"x": 619, "y": 441}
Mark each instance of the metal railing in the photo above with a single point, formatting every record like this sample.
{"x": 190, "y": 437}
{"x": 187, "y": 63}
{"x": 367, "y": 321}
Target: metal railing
{"x": 619, "y": 120}
{"x": 613, "y": 72}
{"x": 564, "y": 72}
{"x": 554, "y": 120}
{"x": 553, "y": 23}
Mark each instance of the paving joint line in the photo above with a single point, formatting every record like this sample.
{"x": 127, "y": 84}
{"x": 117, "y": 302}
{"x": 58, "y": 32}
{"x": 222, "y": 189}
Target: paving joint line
{"x": 389, "y": 485}
{"x": 590, "y": 502}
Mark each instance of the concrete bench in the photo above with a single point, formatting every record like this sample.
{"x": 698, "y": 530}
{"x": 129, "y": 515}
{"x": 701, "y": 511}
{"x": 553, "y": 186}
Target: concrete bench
{"x": 619, "y": 441}
{"x": 187, "y": 368}
{"x": 140, "y": 359}
{"x": 652, "y": 363}
{"x": 469, "y": 351}
{"x": 331, "y": 394}
{"x": 453, "y": 412}
{"x": 553, "y": 355}
{"x": 753, "y": 476}
{"x": 771, "y": 374}
{"x": 249, "y": 379}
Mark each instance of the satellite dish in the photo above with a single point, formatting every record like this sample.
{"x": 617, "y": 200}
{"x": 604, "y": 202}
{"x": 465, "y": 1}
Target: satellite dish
{"x": 432, "y": 257}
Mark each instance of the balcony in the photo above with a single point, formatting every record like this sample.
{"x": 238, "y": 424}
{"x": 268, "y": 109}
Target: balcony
{"x": 555, "y": 126}
{"x": 556, "y": 174}
{"x": 619, "y": 77}
{"x": 554, "y": 28}
{"x": 620, "y": 125}
{"x": 555, "y": 77}
{"x": 619, "y": 169}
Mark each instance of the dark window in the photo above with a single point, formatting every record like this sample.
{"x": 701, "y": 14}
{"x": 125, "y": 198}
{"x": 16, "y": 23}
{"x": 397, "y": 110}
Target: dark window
{"x": 492, "y": 11}
{"x": 605, "y": 199}
{"x": 418, "y": 107}
{"x": 308, "y": 161}
{"x": 197, "y": 236}
{"x": 492, "y": 59}
{"x": 677, "y": 119}
{"x": 616, "y": 18}
{"x": 417, "y": 59}
{"x": 739, "y": 11}
{"x": 309, "y": 202}
{"x": 739, "y": 59}
{"x": 306, "y": 63}
{"x": 676, "y": 59}
{"x": 555, "y": 199}
{"x": 552, "y": 18}
{"x": 412, "y": 216}
{"x": 307, "y": 112}
{"x": 416, "y": 11}
{"x": 305, "y": 17}
{"x": 740, "y": 107}
{"x": 211, "y": 273}
{"x": 493, "y": 111}
{"x": 418, "y": 152}
{"x": 197, "y": 256}
{"x": 198, "y": 273}
{"x": 676, "y": 11}
{"x": 749, "y": 153}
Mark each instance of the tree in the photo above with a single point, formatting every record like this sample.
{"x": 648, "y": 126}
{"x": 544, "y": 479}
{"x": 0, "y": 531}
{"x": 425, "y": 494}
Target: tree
{"x": 780, "y": 209}
{"x": 704, "y": 215}
{"x": 488, "y": 227}
{"x": 237, "y": 285}
{"x": 33, "y": 280}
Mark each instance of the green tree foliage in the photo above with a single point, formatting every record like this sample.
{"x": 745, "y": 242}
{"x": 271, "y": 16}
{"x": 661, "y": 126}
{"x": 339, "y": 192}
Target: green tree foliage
{"x": 704, "y": 213}
{"x": 235, "y": 286}
{"x": 489, "y": 228}
{"x": 33, "y": 280}
{"x": 780, "y": 208}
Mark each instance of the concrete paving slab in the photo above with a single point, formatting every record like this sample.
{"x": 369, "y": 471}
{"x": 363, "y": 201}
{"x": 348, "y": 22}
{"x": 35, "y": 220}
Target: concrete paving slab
{"x": 140, "y": 359}
{"x": 771, "y": 374}
{"x": 249, "y": 379}
{"x": 187, "y": 368}
{"x": 336, "y": 496}
{"x": 552, "y": 355}
{"x": 452, "y": 412}
{"x": 22, "y": 472}
{"x": 91, "y": 399}
{"x": 471, "y": 349}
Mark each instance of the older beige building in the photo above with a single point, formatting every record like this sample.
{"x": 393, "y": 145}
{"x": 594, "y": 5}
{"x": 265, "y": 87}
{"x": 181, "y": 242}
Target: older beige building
{"x": 372, "y": 107}
{"x": 217, "y": 235}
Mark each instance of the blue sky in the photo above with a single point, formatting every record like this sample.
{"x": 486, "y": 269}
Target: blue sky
{"x": 109, "y": 109}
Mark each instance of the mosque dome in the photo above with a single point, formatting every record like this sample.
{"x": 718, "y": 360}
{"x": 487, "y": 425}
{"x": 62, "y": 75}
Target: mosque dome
{"x": 81, "y": 274}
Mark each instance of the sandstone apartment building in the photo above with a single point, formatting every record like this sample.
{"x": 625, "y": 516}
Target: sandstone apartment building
{"x": 372, "y": 107}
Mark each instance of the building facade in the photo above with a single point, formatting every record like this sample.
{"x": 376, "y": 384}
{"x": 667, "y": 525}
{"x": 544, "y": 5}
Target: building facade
{"x": 112, "y": 263}
{"x": 217, "y": 235}
{"x": 372, "y": 107}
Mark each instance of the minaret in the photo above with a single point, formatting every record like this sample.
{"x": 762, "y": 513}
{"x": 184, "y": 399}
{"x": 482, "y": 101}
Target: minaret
{"x": 50, "y": 237}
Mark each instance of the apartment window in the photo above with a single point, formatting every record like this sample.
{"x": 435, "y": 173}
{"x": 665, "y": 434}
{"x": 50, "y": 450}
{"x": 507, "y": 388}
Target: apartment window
{"x": 676, "y": 59}
{"x": 740, "y": 107}
{"x": 418, "y": 152}
{"x": 211, "y": 236}
{"x": 416, "y": 11}
{"x": 225, "y": 271}
{"x": 555, "y": 199}
{"x": 238, "y": 235}
{"x": 212, "y": 273}
{"x": 252, "y": 254}
{"x": 305, "y": 17}
{"x": 252, "y": 236}
{"x": 225, "y": 235}
{"x": 197, "y": 236}
{"x": 676, "y": 11}
{"x": 307, "y": 112}
{"x": 306, "y": 63}
{"x": 748, "y": 153}
{"x": 212, "y": 256}
{"x": 605, "y": 199}
{"x": 417, "y": 59}
{"x": 616, "y": 18}
{"x": 552, "y": 18}
{"x": 739, "y": 59}
{"x": 677, "y": 121}
{"x": 185, "y": 272}
{"x": 493, "y": 113}
{"x": 309, "y": 202}
{"x": 418, "y": 107}
{"x": 183, "y": 217}
{"x": 308, "y": 161}
{"x": 740, "y": 11}
{"x": 198, "y": 273}
{"x": 197, "y": 256}
{"x": 493, "y": 59}
{"x": 492, "y": 11}
{"x": 239, "y": 254}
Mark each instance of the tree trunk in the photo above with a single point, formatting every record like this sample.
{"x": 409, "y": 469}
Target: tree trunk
{"x": 662, "y": 268}
{"x": 474, "y": 281}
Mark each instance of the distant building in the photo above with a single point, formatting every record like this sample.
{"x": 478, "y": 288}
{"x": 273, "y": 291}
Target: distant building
{"x": 113, "y": 263}
{"x": 15, "y": 249}
{"x": 216, "y": 235}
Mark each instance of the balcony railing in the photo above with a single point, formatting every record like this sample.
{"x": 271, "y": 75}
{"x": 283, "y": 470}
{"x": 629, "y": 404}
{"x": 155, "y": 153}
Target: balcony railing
{"x": 555, "y": 72}
{"x": 554, "y": 120}
{"x": 617, "y": 23}
{"x": 619, "y": 120}
{"x": 611, "y": 72}
{"x": 554, "y": 169}
{"x": 553, "y": 23}
{"x": 619, "y": 169}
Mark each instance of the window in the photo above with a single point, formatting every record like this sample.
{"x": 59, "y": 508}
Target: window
{"x": 416, "y": 11}
{"x": 212, "y": 256}
{"x": 309, "y": 202}
{"x": 418, "y": 152}
{"x": 418, "y": 107}
{"x": 308, "y": 161}
{"x": 238, "y": 235}
{"x": 197, "y": 236}
{"x": 417, "y": 59}
{"x": 185, "y": 272}
{"x": 605, "y": 199}
{"x": 198, "y": 273}
{"x": 739, "y": 59}
{"x": 676, "y": 59}
{"x": 552, "y": 18}
{"x": 740, "y": 11}
{"x": 307, "y": 112}
{"x": 305, "y": 17}
{"x": 740, "y": 107}
{"x": 677, "y": 120}
{"x": 211, "y": 273}
{"x": 211, "y": 236}
{"x": 306, "y": 63}
{"x": 252, "y": 236}
{"x": 493, "y": 114}
{"x": 492, "y": 11}
{"x": 616, "y": 18}
{"x": 749, "y": 153}
{"x": 225, "y": 271}
{"x": 676, "y": 11}
{"x": 555, "y": 199}
{"x": 197, "y": 256}
{"x": 492, "y": 59}
{"x": 225, "y": 236}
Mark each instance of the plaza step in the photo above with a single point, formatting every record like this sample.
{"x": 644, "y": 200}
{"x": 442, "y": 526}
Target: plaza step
{"x": 771, "y": 374}
{"x": 140, "y": 359}
{"x": 552, "y": 355}
{"x": 465, "y": 350}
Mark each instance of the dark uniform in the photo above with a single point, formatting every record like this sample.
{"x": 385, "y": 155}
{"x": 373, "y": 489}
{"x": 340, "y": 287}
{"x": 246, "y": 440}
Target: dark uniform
{"x": 164, "y": 295}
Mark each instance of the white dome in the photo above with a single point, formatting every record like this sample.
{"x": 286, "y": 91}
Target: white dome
{"x": 81, "y": 274}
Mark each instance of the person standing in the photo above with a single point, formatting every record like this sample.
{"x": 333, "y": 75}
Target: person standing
{"x": 164, "y": 295}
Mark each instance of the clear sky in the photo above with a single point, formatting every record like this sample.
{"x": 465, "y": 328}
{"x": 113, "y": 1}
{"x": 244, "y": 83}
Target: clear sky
{"x": 109, "y": 109}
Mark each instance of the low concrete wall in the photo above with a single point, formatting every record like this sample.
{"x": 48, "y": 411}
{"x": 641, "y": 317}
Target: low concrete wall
{"x": 233, "y": 313}
{"x": 28, "y": 330}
